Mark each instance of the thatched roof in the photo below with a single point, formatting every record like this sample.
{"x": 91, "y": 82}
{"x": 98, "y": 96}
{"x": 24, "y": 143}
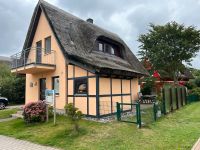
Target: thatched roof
{"x": 77, "y": 38}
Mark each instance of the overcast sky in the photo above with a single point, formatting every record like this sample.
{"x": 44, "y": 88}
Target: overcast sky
{"x": 127, "y": 18}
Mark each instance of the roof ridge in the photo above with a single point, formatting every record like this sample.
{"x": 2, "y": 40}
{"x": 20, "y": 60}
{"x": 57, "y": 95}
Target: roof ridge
{"x": 43, "y": 2}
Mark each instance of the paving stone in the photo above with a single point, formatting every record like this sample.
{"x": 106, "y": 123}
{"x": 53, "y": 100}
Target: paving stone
{"x": 8, "y": 143}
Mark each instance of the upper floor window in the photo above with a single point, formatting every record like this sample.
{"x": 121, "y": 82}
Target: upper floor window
{"x": 48, "y": 45}
{"x": 109, "y": 48}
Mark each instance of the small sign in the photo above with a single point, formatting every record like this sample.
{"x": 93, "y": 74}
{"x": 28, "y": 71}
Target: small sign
{"x": 50, "y": 100}
{"x": 49, "y": 96}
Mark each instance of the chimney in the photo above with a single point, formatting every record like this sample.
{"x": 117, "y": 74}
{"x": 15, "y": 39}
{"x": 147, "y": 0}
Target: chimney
{"x": 90, "y": 20}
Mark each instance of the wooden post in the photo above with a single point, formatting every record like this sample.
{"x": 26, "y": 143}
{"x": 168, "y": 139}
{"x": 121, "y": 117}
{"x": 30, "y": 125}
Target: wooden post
{"x": 185, "y": 95}
{"x": 181, "y": 95}
{"x": 47, "y": 113}
{"x": 171, "y": 101}
{"x": 177, "y": 107}
{"x": 54, "y": 121}
{"x": 163, "y": 102}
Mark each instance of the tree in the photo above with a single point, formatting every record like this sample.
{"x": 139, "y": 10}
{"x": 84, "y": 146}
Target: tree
{"x": 167, "y": 47}
{"x": 11, "y": 85}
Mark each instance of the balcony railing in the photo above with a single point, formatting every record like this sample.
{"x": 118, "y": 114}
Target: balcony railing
{"x": 33, "y": 55}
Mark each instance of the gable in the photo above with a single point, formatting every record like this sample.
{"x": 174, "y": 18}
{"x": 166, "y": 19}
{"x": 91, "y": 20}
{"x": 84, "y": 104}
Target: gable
{"x": 76, "y": 39}
{"x": 43, "y": 31}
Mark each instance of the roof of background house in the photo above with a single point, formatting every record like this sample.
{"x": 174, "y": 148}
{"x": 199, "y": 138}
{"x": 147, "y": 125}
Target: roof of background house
{"x": 186, "y": 74}
{"x": 68, "y": 28}
{"x": 5, "y": 59}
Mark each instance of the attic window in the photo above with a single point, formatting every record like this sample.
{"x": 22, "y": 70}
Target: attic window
{"x": 109, "y": 48}
{"x": 100, "y": 46}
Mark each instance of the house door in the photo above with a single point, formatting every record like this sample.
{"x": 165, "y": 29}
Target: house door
{"x": 42, "y": 88}
{"x": 38, "y": 52}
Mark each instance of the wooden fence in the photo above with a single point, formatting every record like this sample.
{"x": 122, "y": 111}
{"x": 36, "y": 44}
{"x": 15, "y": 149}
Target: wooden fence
{"x": 173, "y": 98}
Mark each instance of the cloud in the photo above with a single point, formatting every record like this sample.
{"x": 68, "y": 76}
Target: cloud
{"x": 127, "y": 18}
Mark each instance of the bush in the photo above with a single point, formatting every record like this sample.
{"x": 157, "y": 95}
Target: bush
{"x": 12, "y": 86}
{"x": 74, "y": 115}
{"x": 50, "y": 111}
{"x": 195, "y": 91}
{"x": 197, "y": 82}
{"x": 190, "y": 85}
{"x": 35, "y": 112}
{"x": 149, "y": 83}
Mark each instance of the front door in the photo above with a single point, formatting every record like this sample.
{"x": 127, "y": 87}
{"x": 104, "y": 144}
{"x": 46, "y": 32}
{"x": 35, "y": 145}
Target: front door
{"x": 42, "y": 88}
{"x": 38, "y": 52}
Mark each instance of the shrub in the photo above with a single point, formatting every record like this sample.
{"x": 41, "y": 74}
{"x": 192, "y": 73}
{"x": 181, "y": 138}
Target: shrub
{"x": 195, "y": 91}
{"x": 35, "y": 112}
{"x": 149, "y": 83}
{"x": 50, "y": 111}
{"x": 197, "y": 82}
{"x": 74, "y": 115}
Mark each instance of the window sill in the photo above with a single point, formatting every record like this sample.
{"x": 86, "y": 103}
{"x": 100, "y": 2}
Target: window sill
{"x": 57, "y": 95}
{"x": 80, "y": 94}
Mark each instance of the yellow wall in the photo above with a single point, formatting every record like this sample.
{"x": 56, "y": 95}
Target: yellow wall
{"x": 81, "y": 102}
{"x": 32, "y": 93}
{"x": 135, "y": 88}
{"x": 105, "y": 88}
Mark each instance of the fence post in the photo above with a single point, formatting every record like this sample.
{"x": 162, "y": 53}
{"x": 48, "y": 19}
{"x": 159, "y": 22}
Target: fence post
{"x": 163, "y": 102}
{"x": 154, "y": 111}
{"x": 181, "y": 95}
{"x": 118, "y": 111}
{"x": 138, "y": 114}
{"x": 177, "y": 107}
{"x": 185, "y": 96}
{"x": 171, "y": 101}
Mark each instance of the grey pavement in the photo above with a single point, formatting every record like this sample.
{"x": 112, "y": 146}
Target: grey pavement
{"x": 8, "y": 143}
{"x": 6, "y": 119}
{"x": 14, "y": 106}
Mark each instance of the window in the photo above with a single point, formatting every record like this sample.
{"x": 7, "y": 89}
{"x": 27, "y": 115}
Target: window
{"x": 80, "y": 86}
{"x": 48, "y": 45}
{"x": 109, "y": 48}
{"x": 100, "y": 47}
{"x": 56, "y": 85}
{"x": 112, "y": 51}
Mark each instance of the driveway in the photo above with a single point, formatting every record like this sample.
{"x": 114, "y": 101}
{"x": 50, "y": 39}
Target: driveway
{"x": 8, "y": 143}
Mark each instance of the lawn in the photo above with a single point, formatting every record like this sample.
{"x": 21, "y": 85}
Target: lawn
{"x": 178, "y": 130}
{"x": 6, "y": 113}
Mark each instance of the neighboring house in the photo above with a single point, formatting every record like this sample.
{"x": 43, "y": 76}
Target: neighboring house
{"x": 4, "y": 59}
{"x": 184, "y": 76}
{"x": 85, "y": 64}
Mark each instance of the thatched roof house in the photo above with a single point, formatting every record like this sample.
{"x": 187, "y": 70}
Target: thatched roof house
{"x": 77, "y": 40}
{"x": 83, "y": 63}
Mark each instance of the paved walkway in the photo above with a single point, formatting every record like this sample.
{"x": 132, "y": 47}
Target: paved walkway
{"x": 8, "y": 143}
{"x": 196, "y": 145}
{"x": 15, "y": 106}
{"x": 6, "y": 119}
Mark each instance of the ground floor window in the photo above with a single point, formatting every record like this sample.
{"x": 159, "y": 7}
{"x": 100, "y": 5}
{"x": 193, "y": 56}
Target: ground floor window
{"x": 80, "y": 86}
{"x": 56, "y": 84}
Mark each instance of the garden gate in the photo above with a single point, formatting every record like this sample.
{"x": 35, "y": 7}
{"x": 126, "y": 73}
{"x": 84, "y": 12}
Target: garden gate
{"x": 133, "y": 108}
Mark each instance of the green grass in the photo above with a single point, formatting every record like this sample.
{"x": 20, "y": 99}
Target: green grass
{"x": 178, "y": 130}
{"x": 6, "y": 113}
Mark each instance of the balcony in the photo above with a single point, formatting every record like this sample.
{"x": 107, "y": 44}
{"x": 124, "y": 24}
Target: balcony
{"x": 33, "y": 60}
